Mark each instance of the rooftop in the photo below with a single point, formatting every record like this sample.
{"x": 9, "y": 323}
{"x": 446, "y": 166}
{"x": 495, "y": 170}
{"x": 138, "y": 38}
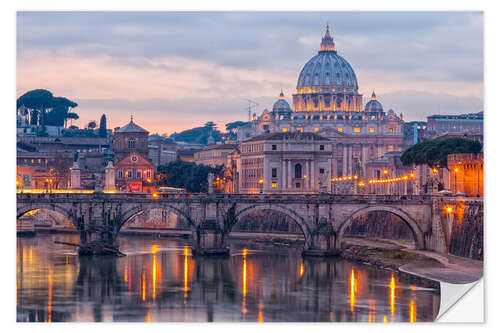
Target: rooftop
{"x": 296, "y": 136}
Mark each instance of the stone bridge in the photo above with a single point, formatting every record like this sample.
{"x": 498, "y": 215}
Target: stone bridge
{"x": 323, "y": 218}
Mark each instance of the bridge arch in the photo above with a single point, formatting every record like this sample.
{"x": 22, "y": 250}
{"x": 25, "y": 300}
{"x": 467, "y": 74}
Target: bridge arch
{"x": 23, "y": 209}
{"x": 240, "y": 214}
{"x": 134, "y": 211}
{"x": 417, "y": 232}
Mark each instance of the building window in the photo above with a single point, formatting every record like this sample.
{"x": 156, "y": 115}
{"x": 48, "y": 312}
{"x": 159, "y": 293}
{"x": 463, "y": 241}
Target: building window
{"x": 299, "y": 129}
{"x": 284, "y": 129}
{"x": 298, "y": 171}
{"x": 321, "y": 171}
{"x": 274, "y": 147}
{"x": 274, "y": 184}
{"x": 316, "y": 129}
{"x": 340, "y": 129}
{"x": 274, "y": 172}
{"x": 297, "y": 185}
{"x": 148, "y": 174}
{"x": 321, "y": 147}
{"x": 372, "y": 130}
{"x": 131, "y": 144}
{"x": 356, "y": 129}
{"x": 120, "y": 174}
{"x": 390, "y": 130}
{"x": 390, "y": 147}
{"x": 138, "y": 174}
{"x": 130, "y": 174}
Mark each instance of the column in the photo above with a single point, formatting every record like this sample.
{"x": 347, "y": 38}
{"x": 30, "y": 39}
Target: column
{"x": 314, "y": 183}
{"x": 266, "y": 175}
{"x": 283, "y": 183}
{"x": 344, "y": 161}
{"x": 308, "y": 179}
{"x": 349, "y": 160}
{"x": 289, "y": 174}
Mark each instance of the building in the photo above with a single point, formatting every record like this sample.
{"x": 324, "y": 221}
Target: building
{"x": 43, "y": 170}
{"x": 161, "y": 150}
{"x": 327, "y": 102}
{"x": 187, "y": 155}
{"x": 134, "y": 173}
{"x": 463, "y": 123}
{"x": 133, "y": 169}
{"x": 466, "y": 174}
{"x": 285, "y": 163}
{"x": 215, "y": 154}
{"x": 130, "y": 138}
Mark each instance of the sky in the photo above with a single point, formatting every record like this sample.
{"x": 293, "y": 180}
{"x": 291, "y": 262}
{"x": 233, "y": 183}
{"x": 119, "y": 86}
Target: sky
{"x": 177, "y": 70}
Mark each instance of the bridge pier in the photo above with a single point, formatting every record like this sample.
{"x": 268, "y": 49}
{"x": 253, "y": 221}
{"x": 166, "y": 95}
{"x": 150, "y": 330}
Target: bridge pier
{"x": 322, "y": 241}
{"x": 209, "y": 240}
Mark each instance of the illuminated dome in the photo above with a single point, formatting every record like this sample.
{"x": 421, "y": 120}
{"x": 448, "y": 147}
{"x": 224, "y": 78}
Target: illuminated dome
{"x": 281, "y": 105}
{"x": 373, "y": 105}
{"x": 327, "y": 69}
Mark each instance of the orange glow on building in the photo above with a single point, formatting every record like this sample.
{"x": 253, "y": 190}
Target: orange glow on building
{"x": 301, "y": 271}
{"x": 148, "y": 317}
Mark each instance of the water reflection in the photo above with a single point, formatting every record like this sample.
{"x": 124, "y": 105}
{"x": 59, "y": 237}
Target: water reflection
{"x": 159, "y": 280}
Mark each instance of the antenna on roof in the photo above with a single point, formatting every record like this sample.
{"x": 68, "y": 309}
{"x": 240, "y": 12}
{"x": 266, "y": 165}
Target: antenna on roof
{"x": 251, "y": 104}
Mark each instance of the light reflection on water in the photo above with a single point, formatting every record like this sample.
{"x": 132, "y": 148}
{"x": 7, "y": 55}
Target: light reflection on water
{"x": 160, "y": 280}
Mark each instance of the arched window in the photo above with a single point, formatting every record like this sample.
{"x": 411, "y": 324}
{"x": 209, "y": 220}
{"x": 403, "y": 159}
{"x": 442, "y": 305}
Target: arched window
{"x": 298, "y": 171}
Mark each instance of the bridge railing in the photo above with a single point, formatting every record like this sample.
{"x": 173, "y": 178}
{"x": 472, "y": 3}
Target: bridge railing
{"x": 228, "y": 197}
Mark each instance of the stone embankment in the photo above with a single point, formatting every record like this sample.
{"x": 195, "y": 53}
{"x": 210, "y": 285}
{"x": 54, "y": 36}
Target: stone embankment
{"x": 425, "y": 268}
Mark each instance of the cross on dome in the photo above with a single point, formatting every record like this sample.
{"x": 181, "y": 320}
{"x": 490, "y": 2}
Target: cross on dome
{"x": 374, "y": 97}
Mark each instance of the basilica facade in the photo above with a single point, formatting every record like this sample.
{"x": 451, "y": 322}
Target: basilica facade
{"x": 327, "y": 103}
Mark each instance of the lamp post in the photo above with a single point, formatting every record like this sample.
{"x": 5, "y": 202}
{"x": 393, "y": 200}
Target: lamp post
{"x": 261, "y": 184}
{"x": 456, "y": 171}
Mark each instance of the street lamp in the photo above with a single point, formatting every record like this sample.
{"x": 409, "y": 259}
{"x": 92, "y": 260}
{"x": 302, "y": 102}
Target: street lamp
{"x": 456, "y": 171}
{"x": 261, "y": 184}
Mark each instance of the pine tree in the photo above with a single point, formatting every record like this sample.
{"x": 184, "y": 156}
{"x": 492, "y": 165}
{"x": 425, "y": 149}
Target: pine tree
{"x": 102, "y": 127}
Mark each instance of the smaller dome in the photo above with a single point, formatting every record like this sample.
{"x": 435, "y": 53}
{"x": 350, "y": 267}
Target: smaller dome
{"x": 373, "y": 105}
{"x": 281, "y": 106}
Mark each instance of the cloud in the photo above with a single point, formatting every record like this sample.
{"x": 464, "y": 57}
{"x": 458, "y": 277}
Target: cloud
{"x": 184, "y": 68}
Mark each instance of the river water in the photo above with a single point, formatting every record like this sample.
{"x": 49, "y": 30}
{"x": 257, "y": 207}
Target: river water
{"x": 159, "y": 280}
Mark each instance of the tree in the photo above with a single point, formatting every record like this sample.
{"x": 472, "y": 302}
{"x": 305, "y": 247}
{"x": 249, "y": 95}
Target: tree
{"x": 92, "y": 124}
{"x": 198, "y": 134}
{"x": 45, "y": 109}
{"x": 37, "y": 102}
{"x": 435, "y": 153}
{"x": 102, "y": 127}
{"x": 186, "y": 175}
{"x": 235, "y": 124}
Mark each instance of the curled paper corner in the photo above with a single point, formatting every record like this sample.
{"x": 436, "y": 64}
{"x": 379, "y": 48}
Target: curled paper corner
{"x": 462, "y": 302}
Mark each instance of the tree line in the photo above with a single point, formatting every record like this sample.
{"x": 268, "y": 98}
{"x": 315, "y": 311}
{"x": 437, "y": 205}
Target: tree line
{"x": 435, "y": 153}
{"x": 188, "y": 175}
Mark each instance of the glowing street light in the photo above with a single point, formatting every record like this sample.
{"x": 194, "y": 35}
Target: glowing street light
{"x": 449, "y": 209}
{"x": 261, "y": 184}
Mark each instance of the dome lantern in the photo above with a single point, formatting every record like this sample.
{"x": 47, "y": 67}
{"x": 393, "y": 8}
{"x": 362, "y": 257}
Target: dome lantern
{"x": 327, "y": 43}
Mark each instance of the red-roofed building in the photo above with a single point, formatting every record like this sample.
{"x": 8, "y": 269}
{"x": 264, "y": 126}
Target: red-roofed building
{"x": 134, "y": 170}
